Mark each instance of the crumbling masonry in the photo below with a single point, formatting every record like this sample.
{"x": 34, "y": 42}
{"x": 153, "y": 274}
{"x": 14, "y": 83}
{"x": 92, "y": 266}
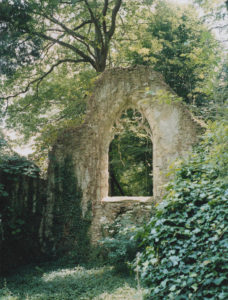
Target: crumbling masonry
{"x": 174, "y": 132}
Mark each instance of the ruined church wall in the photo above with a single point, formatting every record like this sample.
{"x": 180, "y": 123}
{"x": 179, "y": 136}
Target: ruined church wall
{"x": 174, "y": 131}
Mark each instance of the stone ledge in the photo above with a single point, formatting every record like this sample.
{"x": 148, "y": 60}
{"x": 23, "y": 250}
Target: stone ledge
{"x": 127, "y": 199}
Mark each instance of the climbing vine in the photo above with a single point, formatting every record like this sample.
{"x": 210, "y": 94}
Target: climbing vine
{"x": 70, "y": 227}
{"x": 22, "y": 195}
{"x": 185, "y": 243}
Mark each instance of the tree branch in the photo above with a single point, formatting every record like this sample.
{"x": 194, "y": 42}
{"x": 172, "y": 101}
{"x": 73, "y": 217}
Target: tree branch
{"x": 219, "y": 27}
{"x": 55, "y": 30}
{"x": 104, "y": 13}
{"x": 49, "y": 46}
{"x": 38, "y": 80}
{"x": 77, "y": 36}
{"x": 65, "y": 28}
{"x": 88, "y": 48}
{"x": 91, "y": 13}
{"x": 83, "y": 24}
{"x": 105, "y": 8}
{"x": 85, "y": 57}
{"x": 114, "y": 14}
{"x": 94, "y": 19}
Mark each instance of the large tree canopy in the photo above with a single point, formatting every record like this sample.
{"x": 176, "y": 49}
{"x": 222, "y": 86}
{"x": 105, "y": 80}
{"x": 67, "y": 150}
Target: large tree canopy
{"x": 178, "y": 44}
{"x": 82, "y": 27}
{"x": 54, "y": 32}
{"x": 41, "y": 35}
{"x": 52, "y": 50}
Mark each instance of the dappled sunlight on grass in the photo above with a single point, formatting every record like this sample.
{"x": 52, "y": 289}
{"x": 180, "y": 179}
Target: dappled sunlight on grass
{"x": 125, "y": 292}
{"x": 76, "y": 282}
{"x": 78, "y": 271}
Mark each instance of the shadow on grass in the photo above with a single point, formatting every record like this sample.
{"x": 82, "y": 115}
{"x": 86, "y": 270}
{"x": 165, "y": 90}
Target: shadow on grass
{"x": 59, "y": 283}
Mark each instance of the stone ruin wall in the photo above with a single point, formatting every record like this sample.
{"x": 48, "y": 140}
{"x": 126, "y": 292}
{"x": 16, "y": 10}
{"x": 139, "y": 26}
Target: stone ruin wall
{"x": 173, "y": 128}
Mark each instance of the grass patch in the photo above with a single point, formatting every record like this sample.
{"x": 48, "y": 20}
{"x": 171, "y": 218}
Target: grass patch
{"x": 82, "y": 282}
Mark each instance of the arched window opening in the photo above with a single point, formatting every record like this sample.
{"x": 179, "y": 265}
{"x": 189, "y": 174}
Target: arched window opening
{"x": 130, "y": 157}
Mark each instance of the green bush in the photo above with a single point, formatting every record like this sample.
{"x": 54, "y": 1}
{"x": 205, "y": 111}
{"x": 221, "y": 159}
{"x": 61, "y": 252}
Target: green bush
{"x": 22, "y": 197}
{"x": 185, "y": 243}
{"x": 120, "y": 247}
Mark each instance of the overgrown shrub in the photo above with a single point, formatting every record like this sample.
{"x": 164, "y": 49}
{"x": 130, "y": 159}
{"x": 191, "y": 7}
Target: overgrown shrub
{"x": 185, "y": 243}
{"x": 22, "y": 196}
{"x": 120, "y": 245}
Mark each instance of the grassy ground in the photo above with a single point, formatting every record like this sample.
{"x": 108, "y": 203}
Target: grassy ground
{"x": 52, "y": 281}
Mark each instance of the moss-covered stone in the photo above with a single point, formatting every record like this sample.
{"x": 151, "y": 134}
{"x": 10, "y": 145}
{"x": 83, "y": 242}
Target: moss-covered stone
{"x": 70, "y": 227}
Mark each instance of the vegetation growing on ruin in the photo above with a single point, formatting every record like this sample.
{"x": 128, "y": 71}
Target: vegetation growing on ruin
{"x": 70, "y": 226}
{"x": 22, "y": 195}
{"x": 185, "y": 248}
{"x": 181, "y": 253}
{"x": 51, "y": 53}
{"x": 130, "y": 157}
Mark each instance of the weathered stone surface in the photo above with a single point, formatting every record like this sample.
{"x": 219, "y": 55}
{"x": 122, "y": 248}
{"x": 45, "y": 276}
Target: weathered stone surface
{"x": 173, "y": 128}
{"x": 138, "y": 209}
{"x": 126, "y": 199}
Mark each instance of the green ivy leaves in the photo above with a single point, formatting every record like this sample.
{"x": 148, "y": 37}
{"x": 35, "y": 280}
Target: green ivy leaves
{"x": 185, "y": 252}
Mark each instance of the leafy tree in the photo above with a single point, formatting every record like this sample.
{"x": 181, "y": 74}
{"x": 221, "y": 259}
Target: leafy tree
{"x": 60, "y": 104}
{"x": 61, "y": 99}
{"x": 206, "y": 4}
{"x": 56, "y": 32}
{"x": 217, "y": 108}
{"x": 83, "y": 27}
{"x": 178, "y": 45}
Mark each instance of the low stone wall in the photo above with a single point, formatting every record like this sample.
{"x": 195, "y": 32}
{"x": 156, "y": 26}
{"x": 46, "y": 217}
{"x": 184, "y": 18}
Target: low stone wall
{"x": 22, "y": 199}
{"x": 138, "y": 209}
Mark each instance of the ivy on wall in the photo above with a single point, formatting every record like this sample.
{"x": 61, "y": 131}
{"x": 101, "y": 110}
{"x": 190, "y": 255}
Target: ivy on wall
{"x": 185, "y": 244}
{"x": 22, "y": 196}
{"x": 70, "y": 227}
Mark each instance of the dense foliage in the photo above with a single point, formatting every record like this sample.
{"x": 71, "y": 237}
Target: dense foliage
{"x": 60, "y": 104}
{"x": 33, "y": 28}
{"x": 130, "y": 157}
{"x": 185, "y": 243}
{"x": 15, "y": 50}
{"x": 179, "y": 45}
{"x": 120, "y": 246}
{"x": 22, "y": 195}
{"x": 54, "y": 280}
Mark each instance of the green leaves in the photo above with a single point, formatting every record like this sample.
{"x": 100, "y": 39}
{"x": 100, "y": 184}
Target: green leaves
{"x": 17, "y": 165}
{"x": 130, "y": 156}
{"x": 177, "y": 44}
{"x": 120, "y": 245}
{"x": 188, "y": 234}
{"x": 17, "y": 48}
